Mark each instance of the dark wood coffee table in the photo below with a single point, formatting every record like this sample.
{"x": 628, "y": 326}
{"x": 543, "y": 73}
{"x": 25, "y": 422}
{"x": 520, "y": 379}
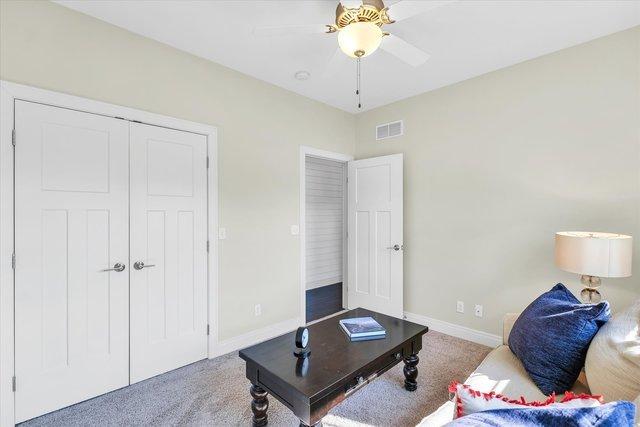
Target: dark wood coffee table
{"x": 335, "y": 369}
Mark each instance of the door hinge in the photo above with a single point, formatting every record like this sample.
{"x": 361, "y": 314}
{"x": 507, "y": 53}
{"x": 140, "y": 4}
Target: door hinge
{"x": 207, "y": 246}
{"x": 207, "y": 332}
{"x": 207, "y": 162}
{"x": 13, "y": 261}
{"x": 13, "y": 383}
{"x": 13, "y": 137}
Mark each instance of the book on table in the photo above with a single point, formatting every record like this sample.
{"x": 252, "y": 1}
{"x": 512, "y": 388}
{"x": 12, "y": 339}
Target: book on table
{"x": 362, "y": 328}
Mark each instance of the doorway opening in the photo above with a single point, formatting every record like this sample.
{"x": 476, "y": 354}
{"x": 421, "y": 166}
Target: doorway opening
{"x": 367, "y": 195}
{"x": 324, "y": 230}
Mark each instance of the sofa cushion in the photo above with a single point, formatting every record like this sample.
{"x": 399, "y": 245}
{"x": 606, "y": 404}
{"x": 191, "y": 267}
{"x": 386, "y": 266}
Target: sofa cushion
{"x": 500, "y": 372}
{"x": 552, "y": 335}
{"x": 613, "y": 359}
{"x": 507, "y": 324}
{"x": 441, "y": 416}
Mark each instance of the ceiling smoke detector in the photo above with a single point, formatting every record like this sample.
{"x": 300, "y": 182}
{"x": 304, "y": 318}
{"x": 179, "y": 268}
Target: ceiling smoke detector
{"x": 302, "y": 75}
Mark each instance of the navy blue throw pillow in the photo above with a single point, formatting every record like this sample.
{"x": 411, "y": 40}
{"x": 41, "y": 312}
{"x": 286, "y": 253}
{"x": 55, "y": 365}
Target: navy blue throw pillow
{"x": 552, "y": 335}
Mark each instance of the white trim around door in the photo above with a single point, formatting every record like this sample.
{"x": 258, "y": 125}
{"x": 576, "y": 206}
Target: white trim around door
{"x": 322, "y": 154}
{"x": 9, "y": 93}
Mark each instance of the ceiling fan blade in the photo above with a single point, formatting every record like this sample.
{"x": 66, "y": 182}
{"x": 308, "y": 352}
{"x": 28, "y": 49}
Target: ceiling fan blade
{"x": 407, "y": 8}
{"x": 337, "y": 62}
{"x": 403, "y": 50}
{"x": 289, "y": 30}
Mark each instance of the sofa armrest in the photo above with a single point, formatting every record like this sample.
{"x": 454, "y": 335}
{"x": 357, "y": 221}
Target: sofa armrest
{"x": 507, "y": 323}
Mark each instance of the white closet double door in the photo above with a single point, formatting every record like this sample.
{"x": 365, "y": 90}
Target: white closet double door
{"x": 94, "y": 197}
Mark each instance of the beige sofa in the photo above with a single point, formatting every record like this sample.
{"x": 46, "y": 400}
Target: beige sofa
{"x": 503, "y": 373}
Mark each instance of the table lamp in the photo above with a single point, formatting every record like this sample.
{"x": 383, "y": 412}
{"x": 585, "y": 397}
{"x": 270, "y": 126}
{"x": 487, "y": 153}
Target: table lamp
{"x": 593, "y": 255}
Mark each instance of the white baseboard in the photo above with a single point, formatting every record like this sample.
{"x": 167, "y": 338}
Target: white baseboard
{"x": 271, "y": 331}
{"x": 326, "y": 317}
{"x": 255, "y": 337}
{"x": 456, "y": 330}
{"x": 322, "y": 284}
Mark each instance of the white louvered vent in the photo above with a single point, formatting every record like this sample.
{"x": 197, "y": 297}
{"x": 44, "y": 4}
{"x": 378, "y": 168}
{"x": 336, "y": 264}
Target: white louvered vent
{"x": 389, "y": 130}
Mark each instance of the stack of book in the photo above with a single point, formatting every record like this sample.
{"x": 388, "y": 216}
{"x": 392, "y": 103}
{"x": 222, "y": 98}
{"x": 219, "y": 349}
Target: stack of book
{"x": 362, "y": 329}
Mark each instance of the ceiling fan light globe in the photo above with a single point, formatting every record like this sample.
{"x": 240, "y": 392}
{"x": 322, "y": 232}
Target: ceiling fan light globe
{"x": 360, "y": 39}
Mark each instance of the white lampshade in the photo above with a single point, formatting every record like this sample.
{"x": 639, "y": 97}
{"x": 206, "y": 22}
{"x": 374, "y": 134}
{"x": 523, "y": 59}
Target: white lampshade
{"x": 594, "y": 254}
{"x": 359, "y": 39}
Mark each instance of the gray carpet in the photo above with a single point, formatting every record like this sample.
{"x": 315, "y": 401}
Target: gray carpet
{"x": 216, "y": 393}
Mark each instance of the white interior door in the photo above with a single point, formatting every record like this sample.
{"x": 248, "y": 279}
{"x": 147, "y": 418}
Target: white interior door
{"x": 168, "y": 235}
{"x": 71, "y": 223}
{"x": 375, "y": 234}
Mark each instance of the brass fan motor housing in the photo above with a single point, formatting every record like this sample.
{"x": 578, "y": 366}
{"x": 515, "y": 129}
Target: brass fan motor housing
{"x": 370, "y": 11}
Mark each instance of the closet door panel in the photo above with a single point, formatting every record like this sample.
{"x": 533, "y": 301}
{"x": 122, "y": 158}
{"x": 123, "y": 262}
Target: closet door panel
{"x": 168, "y": 235}
{"x": 71, "y": 223}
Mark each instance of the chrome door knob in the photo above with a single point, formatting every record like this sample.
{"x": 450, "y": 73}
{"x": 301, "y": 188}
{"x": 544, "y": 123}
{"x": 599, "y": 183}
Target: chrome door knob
{"x": 395, "y": 247}
{"x": 139, "y": 265}
{"x": 116, "y": 267}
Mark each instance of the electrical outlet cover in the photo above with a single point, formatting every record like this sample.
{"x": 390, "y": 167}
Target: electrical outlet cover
{"x": 460, "y": 307}
{"x": 478, "y": 310}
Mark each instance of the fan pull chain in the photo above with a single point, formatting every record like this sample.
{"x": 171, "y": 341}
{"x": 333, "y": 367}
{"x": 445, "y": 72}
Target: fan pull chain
{"x": 358, "y": 89}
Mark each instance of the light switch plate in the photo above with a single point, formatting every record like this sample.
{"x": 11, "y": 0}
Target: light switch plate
{"x": 222, "y": 233}
{"x": 295, "y": 230}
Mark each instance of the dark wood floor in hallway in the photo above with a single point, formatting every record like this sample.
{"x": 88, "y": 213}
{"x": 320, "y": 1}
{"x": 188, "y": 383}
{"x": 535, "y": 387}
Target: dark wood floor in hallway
{"x": 324, "y": 301}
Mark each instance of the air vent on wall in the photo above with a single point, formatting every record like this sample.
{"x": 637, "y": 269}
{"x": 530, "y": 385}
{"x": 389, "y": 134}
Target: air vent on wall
{"x": 389, "y": 130}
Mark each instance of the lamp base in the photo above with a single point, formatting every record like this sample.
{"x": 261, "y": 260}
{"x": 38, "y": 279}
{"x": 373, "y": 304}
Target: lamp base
{"x": 590, "y": 294}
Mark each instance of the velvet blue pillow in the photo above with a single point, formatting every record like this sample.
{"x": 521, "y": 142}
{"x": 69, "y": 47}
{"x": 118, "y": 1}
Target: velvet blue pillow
{"x": 614, "y": 414}
{"x": 552, "y": 335}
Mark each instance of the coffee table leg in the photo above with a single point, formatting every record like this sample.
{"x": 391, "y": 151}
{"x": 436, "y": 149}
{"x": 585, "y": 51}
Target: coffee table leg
{"x": 318, "y": 424}
{"x": 259, "y": 405}
{"x": 411, "y": 372}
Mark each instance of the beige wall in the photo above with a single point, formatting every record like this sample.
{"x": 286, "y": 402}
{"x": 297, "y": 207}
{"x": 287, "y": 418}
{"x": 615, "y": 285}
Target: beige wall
{"x": 262, "y": 126}
{"x": 493, "y": 165}
{"x": 496, "y": 164}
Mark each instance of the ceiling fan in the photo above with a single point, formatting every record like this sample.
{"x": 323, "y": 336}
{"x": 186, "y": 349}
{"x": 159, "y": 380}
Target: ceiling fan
{"x": 360, "y": 25}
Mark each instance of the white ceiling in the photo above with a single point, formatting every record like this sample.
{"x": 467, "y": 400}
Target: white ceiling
{"x": 464, "y": 38}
